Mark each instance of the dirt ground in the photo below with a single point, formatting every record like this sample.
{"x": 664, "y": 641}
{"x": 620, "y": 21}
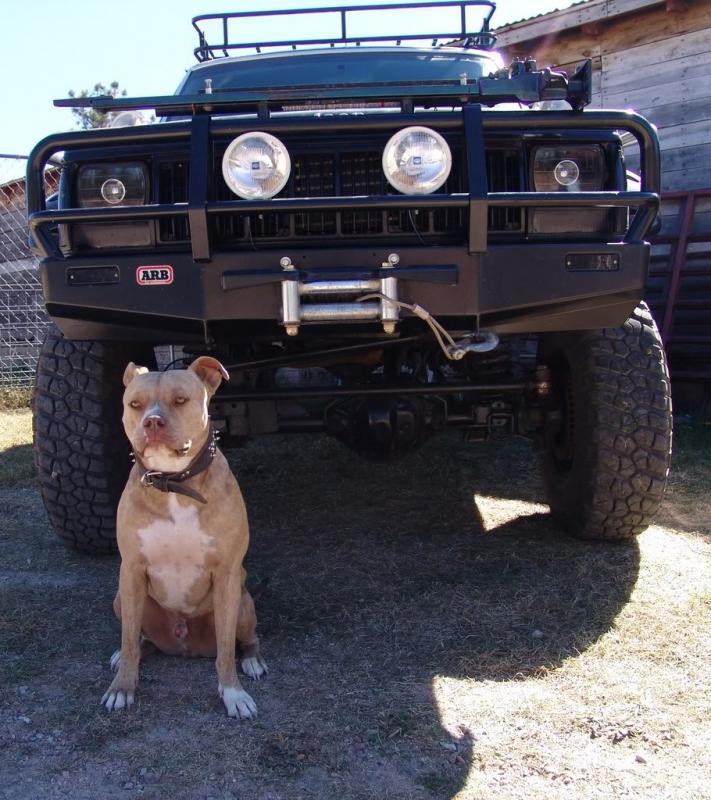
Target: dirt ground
{"x": 430, "y": 634}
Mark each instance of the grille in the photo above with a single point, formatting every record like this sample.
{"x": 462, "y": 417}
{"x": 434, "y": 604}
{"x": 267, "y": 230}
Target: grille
{"x": 173, "y": 188}
{"x": 503, "y": 169}
{"x": 335, "y": 173}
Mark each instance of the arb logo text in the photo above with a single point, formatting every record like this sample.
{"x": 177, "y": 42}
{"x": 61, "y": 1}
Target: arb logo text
{"x": 154, "y": 276}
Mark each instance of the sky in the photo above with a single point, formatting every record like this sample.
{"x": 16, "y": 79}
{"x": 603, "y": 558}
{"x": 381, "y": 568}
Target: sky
{"x": 145, "y": 45}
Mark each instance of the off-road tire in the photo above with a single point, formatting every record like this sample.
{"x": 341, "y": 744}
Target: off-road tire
{"x": 608, "y": 437}
{"x": 81, "y": 451}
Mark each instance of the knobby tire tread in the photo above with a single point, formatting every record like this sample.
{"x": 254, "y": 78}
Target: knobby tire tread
{"x": 623, "y": 432}
{"x": 81, "y": 452}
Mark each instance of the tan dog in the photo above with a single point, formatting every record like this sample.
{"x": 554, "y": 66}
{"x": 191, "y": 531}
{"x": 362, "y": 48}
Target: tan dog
{"x": 182, "y": 533}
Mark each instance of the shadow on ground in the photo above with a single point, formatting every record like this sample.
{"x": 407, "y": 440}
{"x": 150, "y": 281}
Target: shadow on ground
{"x": 16, "y": 465}
{"x": 382, "y": 577}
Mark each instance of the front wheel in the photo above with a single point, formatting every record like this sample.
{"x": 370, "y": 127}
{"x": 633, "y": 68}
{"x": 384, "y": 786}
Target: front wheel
{"x": 607, "y": 436}
{"x": 81, "y": 450}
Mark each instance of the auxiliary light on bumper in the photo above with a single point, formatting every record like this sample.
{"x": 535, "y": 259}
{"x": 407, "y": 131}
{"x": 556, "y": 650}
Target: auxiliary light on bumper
{"x": 256, "y": 165}
{"x": 417, "y": 160}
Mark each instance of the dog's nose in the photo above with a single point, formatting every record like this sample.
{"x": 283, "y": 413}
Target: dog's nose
{"x": 154, "y": 422}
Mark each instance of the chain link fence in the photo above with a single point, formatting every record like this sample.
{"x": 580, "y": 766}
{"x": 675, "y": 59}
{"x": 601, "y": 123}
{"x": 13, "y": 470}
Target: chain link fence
{"x": 23, "y": 320}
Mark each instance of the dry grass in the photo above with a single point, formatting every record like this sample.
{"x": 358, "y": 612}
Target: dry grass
{"x": 692, "y": 460}
{"x": 431, "y": 635}
{"x": 11, "y": 399}
{"x": 629, "y": 716}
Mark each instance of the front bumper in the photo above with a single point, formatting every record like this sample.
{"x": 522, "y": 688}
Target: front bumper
{"x": 512, "y": 288}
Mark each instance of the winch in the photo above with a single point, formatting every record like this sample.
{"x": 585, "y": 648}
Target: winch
{"x": 294, "y": 312}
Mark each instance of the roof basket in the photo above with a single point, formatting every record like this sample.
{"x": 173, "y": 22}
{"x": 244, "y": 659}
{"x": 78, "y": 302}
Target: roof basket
{"x": 217, "y": 42}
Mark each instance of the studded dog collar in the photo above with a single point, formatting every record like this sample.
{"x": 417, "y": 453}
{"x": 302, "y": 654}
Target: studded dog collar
{"x": 173, "y": 481}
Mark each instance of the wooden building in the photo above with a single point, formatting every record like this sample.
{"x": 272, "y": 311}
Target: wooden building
{"x": 653, "y": 56}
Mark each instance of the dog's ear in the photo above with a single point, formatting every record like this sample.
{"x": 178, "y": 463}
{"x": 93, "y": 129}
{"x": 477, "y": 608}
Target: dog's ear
{"x": 131, "y": 372}
{"x": 210, "y": 372}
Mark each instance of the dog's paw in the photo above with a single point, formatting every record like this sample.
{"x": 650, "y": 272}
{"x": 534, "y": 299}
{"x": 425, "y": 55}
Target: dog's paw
{"x": 118, "y": 695}
{"x": 254, "y": 667}
{"x": 237, "y": 702}
{"x": 115, "y": 660}
{"x": 116, "y": 699}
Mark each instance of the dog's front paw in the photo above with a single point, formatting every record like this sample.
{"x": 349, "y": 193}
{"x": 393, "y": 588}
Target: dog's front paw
{"x": 118, "y": 695}
{"x": 237, "y": 702}
{"x": 254, "y": 667}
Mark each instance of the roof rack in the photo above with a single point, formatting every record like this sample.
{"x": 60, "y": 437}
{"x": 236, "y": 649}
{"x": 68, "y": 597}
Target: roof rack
{"x": 208, "y": 49}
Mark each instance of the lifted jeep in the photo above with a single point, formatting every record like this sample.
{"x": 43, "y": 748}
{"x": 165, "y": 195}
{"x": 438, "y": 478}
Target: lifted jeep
{"x": 374, "y": 246}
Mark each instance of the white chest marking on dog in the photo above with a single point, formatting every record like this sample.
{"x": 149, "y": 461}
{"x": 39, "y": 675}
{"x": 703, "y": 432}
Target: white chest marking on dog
{"x": 175, "y": 550}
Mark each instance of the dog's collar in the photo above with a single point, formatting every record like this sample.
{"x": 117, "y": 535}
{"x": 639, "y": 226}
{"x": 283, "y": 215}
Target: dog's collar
{"x": 173, "y": 481}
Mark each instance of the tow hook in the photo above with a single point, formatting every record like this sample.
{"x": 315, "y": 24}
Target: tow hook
{"x": 488, "y": 341}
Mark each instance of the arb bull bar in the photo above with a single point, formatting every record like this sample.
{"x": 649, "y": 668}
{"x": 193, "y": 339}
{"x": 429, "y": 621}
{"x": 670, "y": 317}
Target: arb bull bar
{"x": 204, "y": 124}
{"x": 474, "y": 121}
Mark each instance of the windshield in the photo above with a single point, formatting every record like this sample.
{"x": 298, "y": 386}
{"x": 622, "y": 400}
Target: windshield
{"x": 339, "y": 67}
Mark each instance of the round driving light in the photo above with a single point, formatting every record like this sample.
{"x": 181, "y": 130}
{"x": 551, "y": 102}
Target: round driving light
{"x": 417, "y": 160}
{"x": 566, "y": 172}
{"x": 113, "y": 191}
{"x": 256, "y": 166}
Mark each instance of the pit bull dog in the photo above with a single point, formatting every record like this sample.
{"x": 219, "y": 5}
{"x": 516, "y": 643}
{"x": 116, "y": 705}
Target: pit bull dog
{"x": 182, "y": 533}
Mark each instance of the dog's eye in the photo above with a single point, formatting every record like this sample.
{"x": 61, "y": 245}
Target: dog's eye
{"x": 135, "y": 404}
{"x": 180, "y": 400}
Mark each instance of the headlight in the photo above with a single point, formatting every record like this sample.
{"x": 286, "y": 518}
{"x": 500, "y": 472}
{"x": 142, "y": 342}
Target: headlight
{"x": 256, "y": 166}
{"x": 102, "y": 185}
{"x": 573, "y": 168}
{"x": 417, "y": 160}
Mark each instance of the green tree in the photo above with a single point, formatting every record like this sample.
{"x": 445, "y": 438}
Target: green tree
{"x": 91, "y": 117}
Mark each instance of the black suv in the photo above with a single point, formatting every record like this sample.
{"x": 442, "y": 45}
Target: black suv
{"x": 379, "y": 240}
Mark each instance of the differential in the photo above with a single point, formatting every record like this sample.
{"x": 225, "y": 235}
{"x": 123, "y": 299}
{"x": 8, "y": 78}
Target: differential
{"x": 379, "y": 427}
